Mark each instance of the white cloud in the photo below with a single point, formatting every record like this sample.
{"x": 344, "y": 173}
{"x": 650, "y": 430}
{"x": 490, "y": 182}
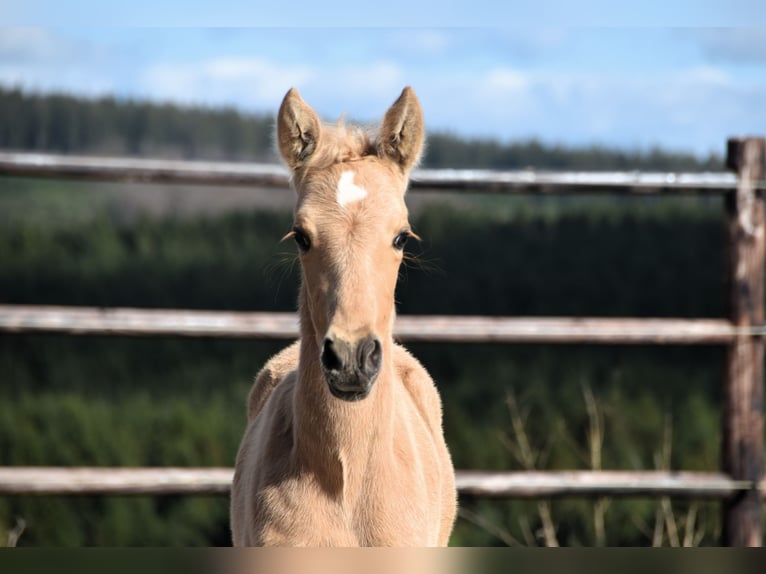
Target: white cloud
{"x": 358, "y": 92}
{"x": 506, "y": 81}
{"x": 29, "y": 45}
{"x": 44, "y": 79}
{"x": 706, "y": 76}
{"x": 734, "y": 45}
{"x": 695, "y": 108}
{"x": 381, "y": 77}
{"x": 253, "y": 82}
{"x": 362, "y": 91}
{"x": 44, "y": 60}
{"x": 432, "y": 42}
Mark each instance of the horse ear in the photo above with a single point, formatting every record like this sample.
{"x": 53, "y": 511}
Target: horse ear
{"x": 298, "y": 129}
{"x": 401, "y": 133}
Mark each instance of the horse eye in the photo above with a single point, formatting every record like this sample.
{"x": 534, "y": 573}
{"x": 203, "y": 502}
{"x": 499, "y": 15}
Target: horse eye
{"x": 302, "y": 240}
{"x": 401, "y": 240}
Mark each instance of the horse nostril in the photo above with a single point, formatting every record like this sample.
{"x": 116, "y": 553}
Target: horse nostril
{"x": 330, "y": 359}
{"x": 370, "y": 356}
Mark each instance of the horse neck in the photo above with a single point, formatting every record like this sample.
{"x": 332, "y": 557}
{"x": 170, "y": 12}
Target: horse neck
{"x": 335, "y": 437}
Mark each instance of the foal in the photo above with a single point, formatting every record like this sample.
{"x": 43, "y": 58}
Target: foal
{"x": 344, "y": 443}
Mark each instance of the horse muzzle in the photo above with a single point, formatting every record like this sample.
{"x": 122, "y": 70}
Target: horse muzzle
{"x": 351, "y": 369}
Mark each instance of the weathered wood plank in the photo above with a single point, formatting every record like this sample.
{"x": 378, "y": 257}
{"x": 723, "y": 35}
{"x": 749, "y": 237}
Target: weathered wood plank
{"x": 141, "y": 170}
{"x": 435, "y": 328}
{"x": 549, "y": 182}
{"x": 146, "y": 322}
{"x": 268, "y": 175}
{"x": 564, "y": 330}
{"x": 555, "y": 484}
{"x": 742, "y": 417}
{"x": 93, "y": 480}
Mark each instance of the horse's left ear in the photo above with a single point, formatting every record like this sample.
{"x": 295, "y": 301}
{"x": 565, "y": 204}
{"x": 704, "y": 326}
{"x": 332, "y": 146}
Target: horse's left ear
{"x": 298, "y": 130}
{"x": 401, "y": 133}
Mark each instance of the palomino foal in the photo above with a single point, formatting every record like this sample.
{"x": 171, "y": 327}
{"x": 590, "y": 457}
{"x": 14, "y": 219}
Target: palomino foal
{"x": 344, "y": 443}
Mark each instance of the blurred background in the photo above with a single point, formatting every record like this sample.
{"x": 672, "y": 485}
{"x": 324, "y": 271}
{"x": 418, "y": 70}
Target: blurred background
{"x": 559, "y": 98}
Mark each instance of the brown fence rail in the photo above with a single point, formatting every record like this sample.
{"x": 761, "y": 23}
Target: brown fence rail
{"x": 433, "y": 328}
{"x": 523, "y": 484}
{"x": 268, "y": 175}
{"x": 740, "y": 485}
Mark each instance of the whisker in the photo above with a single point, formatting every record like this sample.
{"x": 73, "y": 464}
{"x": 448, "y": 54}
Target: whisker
{"x": 281, "y": 267}
{"x": 412, "y": 261}
{"x": 420, "y": 263}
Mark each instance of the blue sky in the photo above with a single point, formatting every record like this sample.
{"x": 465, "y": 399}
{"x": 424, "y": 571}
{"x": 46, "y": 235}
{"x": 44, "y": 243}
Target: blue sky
{"x": 683, "y": 83}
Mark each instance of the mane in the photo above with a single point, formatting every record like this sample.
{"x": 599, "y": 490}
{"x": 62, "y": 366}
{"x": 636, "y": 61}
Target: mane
{"x": 343, "y": 143}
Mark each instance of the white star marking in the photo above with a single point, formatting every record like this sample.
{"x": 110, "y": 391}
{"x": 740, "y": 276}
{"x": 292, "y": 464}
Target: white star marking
{"x": 348, "y": 191}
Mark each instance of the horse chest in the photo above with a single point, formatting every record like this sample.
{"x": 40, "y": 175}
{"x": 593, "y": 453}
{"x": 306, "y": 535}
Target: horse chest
{"x": 395, "y": 513}
{"x": 389, "y": 502}
{"x": 396, "y": 505}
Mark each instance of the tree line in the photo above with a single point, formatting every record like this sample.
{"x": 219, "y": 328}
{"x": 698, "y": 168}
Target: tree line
{"x": 58, "y": 122}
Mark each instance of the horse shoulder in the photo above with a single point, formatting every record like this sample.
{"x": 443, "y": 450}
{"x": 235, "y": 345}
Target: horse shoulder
{"x": 420, "y": 387}
{"x": 425, "y": 397}
{"x": 274, "y": 371}
{"x": 261, "y": 457}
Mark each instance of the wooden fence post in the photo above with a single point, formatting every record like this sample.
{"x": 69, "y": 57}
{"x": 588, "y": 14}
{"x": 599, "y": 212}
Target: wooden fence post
{"x": 742, "y": 415}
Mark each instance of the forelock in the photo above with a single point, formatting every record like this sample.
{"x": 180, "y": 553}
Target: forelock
{"x": 342, "y": 143}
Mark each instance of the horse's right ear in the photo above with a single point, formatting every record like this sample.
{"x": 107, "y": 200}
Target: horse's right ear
{"x": 298, "y": 130}
{"x": 401, "y": 133}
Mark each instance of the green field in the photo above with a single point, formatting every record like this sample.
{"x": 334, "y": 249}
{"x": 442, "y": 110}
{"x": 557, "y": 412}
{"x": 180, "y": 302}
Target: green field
{"x": 174, "y": 401}
{"x": 165, "y": 401}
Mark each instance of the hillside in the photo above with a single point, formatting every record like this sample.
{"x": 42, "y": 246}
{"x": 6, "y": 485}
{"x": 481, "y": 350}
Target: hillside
{"x": 107, "y": 125}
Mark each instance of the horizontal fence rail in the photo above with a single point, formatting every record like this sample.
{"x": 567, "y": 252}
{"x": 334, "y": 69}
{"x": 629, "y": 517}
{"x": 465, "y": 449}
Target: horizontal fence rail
{"x": 553, "y": 484}
{"x": 740, "y": 485}
{"x": 433, "y": 328}
{"x": 97, "y": 480}
{"x": 269, "y": 175}
{"x": 520, "y": 484}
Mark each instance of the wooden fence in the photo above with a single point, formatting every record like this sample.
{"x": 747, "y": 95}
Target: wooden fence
{"x": 740, "y": 484}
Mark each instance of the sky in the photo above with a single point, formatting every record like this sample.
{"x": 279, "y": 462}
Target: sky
{"x": 682, "y": 75}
